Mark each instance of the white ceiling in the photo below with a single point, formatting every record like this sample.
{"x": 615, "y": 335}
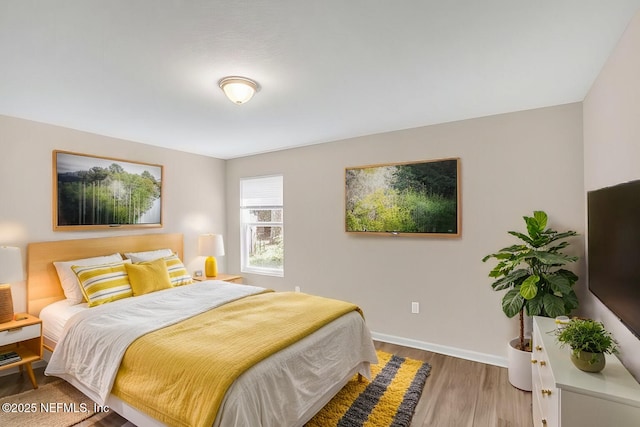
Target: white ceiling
{"x": 147, "y": 70}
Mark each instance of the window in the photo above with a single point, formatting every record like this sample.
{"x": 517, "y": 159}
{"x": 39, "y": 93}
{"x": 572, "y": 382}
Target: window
{"x": 262, "y": 227}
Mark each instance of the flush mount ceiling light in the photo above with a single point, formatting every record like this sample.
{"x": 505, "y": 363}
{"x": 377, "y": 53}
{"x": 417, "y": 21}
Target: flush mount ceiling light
{"x": 238, "y": 89}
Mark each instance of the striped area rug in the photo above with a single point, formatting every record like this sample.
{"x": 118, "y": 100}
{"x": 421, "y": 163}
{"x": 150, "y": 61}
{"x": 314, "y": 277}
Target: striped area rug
{"x": 390, "y": 399}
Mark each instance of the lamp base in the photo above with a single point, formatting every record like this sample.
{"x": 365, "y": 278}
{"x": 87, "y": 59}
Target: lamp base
{"x": 211, "y": 267}
{"x": 6, "y": 304}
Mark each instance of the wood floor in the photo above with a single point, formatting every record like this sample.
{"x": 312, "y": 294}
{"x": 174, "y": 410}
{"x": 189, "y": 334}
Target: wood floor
{"x": 458, "y": 393}
{"x": 461, "y": 393}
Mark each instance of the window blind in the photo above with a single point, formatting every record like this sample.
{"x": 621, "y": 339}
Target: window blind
{"x": 261, "y": 192}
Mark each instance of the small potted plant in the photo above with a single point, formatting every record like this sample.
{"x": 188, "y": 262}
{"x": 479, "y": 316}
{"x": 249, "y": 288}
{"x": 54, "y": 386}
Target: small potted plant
{"x": 589, "y": 342}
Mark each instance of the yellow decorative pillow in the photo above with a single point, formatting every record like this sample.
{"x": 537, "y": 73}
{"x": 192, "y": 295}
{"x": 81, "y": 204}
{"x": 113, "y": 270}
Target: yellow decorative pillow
{"x": 148, "y": 276}
{"x": 177, "y": 272}
{"x": 103, "y": 283}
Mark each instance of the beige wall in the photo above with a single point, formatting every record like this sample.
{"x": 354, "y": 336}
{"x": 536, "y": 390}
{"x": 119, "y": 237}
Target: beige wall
{"x": 194, "y": 187}
{"x": 511, "y": 165}
{"x": 612, "y": 153}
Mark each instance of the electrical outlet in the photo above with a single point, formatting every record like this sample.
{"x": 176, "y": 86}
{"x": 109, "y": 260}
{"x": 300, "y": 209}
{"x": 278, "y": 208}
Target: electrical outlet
{"x": 297, "y": 288}
{"x": 415, "y": 307}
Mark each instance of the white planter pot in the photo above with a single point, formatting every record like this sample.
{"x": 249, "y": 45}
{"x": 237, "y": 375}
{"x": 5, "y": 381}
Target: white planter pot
{"x": 519, "y": 364}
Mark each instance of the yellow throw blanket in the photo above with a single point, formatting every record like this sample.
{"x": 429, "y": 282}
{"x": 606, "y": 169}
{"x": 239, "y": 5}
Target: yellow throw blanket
{"x": 179, "y": 374}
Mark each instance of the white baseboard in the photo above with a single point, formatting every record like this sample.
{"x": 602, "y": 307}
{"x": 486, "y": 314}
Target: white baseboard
{"x": 475, "y": 356}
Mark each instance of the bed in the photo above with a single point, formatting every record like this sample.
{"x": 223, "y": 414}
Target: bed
{"x": 285, "y": 386}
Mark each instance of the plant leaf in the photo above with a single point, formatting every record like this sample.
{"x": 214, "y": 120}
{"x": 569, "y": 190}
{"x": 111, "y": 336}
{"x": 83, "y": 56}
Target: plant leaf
{"x": 503, "y": 254}
{"x": 559, "y": 284}
{"x": 561, "y": 245}
{"x": 534, "y": 306}
{"x": 570, "y": 301}
{"x": 514, "y": 248}
{"x": 532, "y": 227}
{"x": 569, "y": 275}
{"x": 553, "y": 305}
{"x": 512, "y": 303}
{"x": 550, "y": 258}
{"x": 557, "y": 236}
{"x": 522, "y": 236}
{"x": 509, "y": 280}
{"x": 529, "y": 288}
{"x": 541, "y": 219}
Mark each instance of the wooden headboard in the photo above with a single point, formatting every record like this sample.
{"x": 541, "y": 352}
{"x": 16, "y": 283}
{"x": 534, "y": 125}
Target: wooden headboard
{"x": 43, "y": 285}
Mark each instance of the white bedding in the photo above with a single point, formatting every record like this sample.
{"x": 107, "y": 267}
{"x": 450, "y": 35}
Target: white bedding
{"x": 283, "y": 390}
{"x": 289, "y": 389}
{"x": 55, "y": 316}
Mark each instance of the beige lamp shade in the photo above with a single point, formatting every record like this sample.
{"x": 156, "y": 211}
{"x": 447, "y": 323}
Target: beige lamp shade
{"x": 10, "y": 272}
{"x": 211, "y": 246}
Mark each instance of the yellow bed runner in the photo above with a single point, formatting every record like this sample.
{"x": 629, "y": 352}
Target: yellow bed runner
{"x": 180, "y": 374}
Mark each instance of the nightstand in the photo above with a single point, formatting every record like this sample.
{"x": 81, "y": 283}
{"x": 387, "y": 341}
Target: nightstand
{"x": 25, "y": 338}
{"x": 231, "y": 278}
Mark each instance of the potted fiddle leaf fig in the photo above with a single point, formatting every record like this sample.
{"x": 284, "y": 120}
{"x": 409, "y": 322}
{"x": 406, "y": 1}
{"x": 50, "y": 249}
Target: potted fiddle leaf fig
{"x": 533, "y": 276}
{"x": 589, "y": 341}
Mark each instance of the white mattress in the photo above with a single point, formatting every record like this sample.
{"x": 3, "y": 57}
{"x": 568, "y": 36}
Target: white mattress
{"x": 54, "y": 316}
{"x": 283, "y": 390}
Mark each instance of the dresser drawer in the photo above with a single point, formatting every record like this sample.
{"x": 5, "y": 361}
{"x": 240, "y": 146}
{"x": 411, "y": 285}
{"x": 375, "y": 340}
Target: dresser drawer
{"x": 541, "y": 363}
{"x": 539, "y": 413}
{"x": 545, "y": 401}
{"x": 19, "y": 334}
{"x": 545, "y": 395}
{"x": 549, "y": 403}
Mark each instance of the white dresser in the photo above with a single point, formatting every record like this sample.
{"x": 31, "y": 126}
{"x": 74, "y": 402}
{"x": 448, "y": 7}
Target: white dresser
{"x": 563, "y": 395}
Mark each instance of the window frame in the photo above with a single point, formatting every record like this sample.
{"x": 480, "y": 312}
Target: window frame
{"x": 245, "y": 226}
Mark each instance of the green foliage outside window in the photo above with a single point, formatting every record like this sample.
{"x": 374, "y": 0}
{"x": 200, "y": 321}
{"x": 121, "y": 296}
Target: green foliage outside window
{"x": 268, "y": 252}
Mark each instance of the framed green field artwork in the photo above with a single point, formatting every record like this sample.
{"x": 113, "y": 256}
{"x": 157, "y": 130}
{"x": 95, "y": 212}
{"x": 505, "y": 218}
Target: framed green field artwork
{"x": 415, "y": 198}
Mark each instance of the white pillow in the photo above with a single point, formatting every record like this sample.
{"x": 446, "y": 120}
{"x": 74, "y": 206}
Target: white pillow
{"x": 69, "y": 280}
{"x": 148, "y": 255}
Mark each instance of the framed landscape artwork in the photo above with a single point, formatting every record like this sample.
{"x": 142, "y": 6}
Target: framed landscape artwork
{"x": 92, "y": 192}
{"x": 414, "y": 198}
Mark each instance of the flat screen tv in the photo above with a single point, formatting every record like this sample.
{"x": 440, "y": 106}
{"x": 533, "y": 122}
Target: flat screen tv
{"x": 614, "y": 250}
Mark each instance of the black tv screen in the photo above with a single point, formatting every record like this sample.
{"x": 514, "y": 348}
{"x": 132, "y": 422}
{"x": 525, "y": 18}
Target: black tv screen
{"x": 614, "y": 250}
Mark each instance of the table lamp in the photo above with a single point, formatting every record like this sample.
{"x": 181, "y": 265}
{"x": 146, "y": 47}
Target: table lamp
{"x": 211, "y": 246}
{"x": 10, "y": 272}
